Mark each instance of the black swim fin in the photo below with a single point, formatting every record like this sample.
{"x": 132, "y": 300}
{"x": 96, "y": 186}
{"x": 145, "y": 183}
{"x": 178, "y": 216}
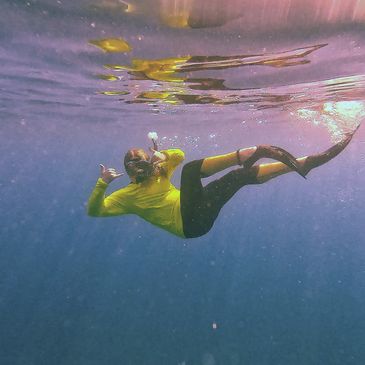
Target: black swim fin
{"x": 289, "y": 160}
{"x": 349, "y": 136}
{"x": 319, "y": 159}
{"x": 275, "y": 153}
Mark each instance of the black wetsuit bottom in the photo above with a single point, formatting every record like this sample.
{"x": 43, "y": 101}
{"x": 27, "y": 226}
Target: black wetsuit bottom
{"x": 200, "y": 205}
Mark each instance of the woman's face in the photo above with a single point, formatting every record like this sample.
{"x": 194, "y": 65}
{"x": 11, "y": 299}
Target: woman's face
{"x": 136, "y": 161}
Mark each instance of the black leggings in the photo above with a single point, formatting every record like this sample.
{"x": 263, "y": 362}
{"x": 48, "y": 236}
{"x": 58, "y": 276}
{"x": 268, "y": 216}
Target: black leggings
{"x": 200, "y": 205}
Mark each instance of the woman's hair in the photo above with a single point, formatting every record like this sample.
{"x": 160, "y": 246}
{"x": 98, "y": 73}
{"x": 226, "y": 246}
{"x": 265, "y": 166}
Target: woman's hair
{"x": 137, "y": 164}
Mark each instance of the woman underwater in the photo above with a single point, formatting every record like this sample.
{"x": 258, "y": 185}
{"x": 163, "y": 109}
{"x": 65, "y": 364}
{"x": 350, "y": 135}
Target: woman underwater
{"x": 191, "y": 211}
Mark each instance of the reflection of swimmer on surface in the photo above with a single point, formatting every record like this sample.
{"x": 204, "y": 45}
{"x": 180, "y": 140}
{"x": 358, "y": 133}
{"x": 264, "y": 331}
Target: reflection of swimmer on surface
{"x": 191, "y": 211}
{"x": 169, "y": 69}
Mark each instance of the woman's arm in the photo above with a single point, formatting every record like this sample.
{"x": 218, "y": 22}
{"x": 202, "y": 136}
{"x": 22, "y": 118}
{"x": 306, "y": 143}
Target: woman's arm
{"x": 96, "y": 207}
{"x": 99, "y": 205}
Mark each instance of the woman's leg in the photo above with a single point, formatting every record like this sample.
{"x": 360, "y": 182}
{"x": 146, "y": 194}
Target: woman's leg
{"x": 197, "y": 208}
{"x": 191, "y": 195}
{"x": 247, "y": 157}
{"x": 200, "y": 205}
{"x": 214, "y": 164}
{"x": 220, "y": 191}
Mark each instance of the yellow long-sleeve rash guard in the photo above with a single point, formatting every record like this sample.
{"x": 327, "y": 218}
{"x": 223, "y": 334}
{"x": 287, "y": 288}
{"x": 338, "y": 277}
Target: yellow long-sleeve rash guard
{"x": 155, "y": 200}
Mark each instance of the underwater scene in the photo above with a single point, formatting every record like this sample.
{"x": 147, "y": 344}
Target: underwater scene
{"x": 158, "y": 204}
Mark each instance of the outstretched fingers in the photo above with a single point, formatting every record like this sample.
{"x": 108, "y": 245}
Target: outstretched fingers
{"x": 109, "y": 174}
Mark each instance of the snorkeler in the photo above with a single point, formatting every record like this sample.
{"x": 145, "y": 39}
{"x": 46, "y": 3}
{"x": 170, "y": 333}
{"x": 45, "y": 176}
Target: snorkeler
{"x": 191, "y": 211}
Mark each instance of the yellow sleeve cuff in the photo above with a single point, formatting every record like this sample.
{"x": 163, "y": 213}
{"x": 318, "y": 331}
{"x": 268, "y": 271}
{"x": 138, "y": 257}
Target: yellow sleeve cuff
{"x": 101, "y": 183}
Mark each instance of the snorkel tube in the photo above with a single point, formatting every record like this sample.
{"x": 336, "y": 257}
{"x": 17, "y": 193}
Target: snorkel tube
{"x": 157, "y": 156}
{"x": 153, "y": 137}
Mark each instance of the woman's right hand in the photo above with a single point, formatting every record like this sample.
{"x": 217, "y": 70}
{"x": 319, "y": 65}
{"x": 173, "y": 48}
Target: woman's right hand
{"x": 157, "y": 156}
{"x": 108, "y": 175}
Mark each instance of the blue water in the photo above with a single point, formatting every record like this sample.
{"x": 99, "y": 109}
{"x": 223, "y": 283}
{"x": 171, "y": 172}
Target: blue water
{"x": 280, "y": 279}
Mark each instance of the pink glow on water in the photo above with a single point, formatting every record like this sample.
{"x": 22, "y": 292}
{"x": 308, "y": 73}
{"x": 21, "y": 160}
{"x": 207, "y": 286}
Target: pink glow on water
{"x": 259, "y": 15}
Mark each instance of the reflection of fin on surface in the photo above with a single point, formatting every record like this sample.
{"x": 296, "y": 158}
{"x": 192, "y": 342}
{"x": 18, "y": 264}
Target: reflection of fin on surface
{"x": 113, "y": 45}
{"x": 207, "y": 84}
{"x": 279, "y": 59}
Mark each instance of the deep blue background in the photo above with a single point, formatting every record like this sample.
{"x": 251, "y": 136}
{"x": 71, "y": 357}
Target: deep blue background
{"x": 281, "y": 273}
